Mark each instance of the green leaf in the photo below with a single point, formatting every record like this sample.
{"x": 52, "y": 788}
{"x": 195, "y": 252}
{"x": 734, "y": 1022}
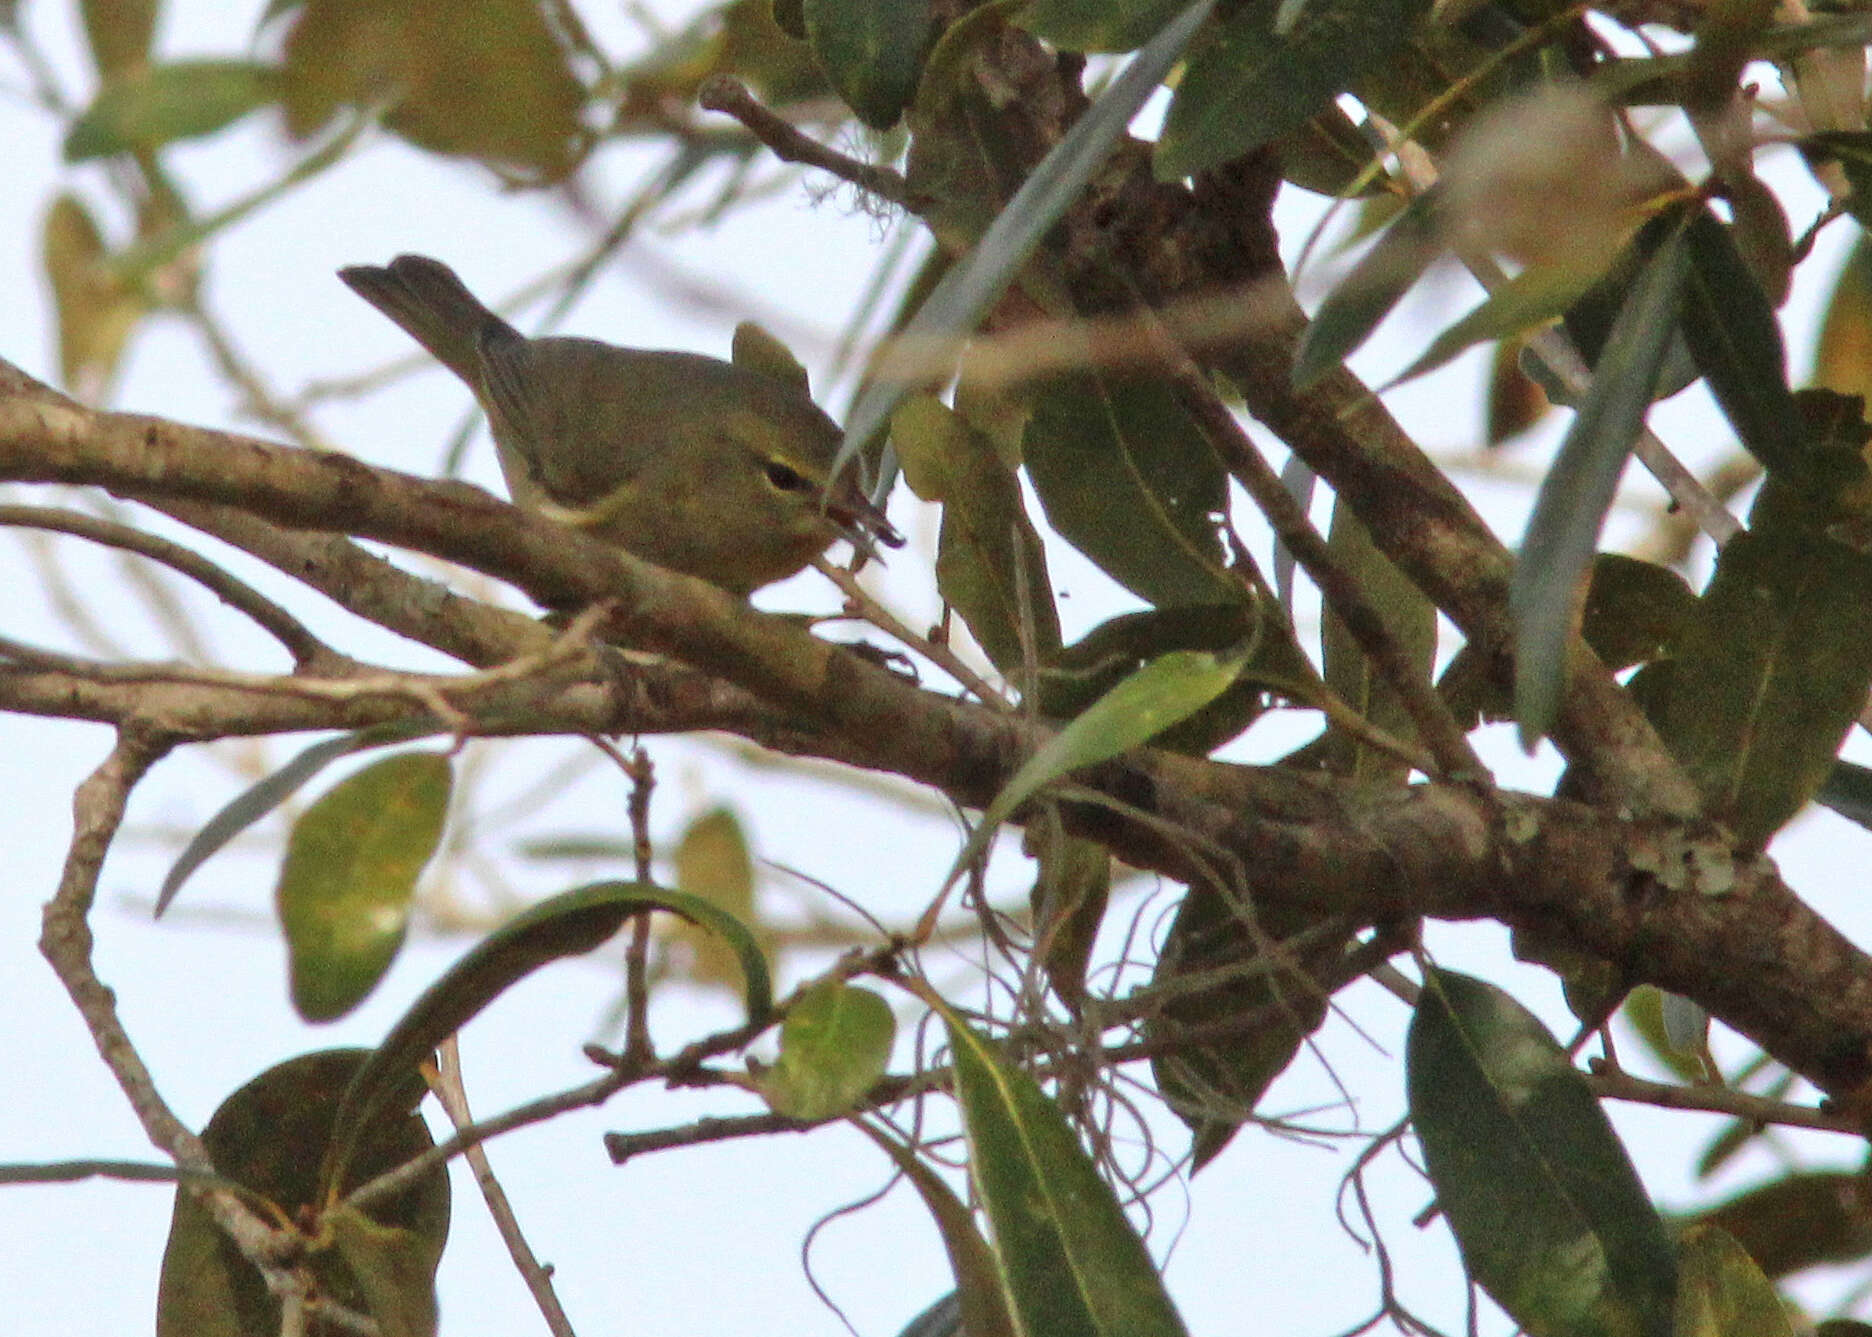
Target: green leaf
{"x": 1097, "y": 25}
{"x": 1644, "y": 1010}
{"x": 267, "y": 1137}
{"x": 1735, "y": 339}
{"x": 873, "y": 51}
{"x": 350, "y": 871}
{"x": 1071, "y": 889}
{"x": 1127, "y": 477}
{"x": 118, "y": 33}
{"x": 1365, "y": 297}
{"x": 712, "y": 860}
{"x": 395, "y": 1270}
{"x": 1246, "y": 82}
{"x": 97, "y": 310}
{"x": 1073, "y": 1264}
{"x": 834, "y": 1045}
{"x": 1770, "y": 675}
{"x": 1411, "y": 619}
{"x": 1721, "y": 1292}
{"x": 266, "y": 794}
{"x": 1222, "y": 962}
{"x": 1573, "y": 500}
{"x": 1538, "y": 295}
{"x": 569, "y": 924}
{"x": 966, "y": 291}
{"x": 981, "y": 1299}
{"x": 1798, "y": 1221}
{"x": 1545, "y": 1206}
{"x": 1848, "y": 791}
{"x": 1166, "y": 690}
{"x": 990, "y": 564}
{"x": 165, "y": 103}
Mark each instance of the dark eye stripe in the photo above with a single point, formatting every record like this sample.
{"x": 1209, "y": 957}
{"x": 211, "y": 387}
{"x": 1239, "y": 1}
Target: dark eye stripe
{"x": 784, "y": 478}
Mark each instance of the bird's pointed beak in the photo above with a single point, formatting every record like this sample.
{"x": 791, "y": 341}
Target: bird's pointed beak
{"x": 861, "y": 522}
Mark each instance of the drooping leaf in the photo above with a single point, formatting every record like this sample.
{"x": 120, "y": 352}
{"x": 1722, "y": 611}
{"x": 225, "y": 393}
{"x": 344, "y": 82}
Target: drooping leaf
{"x": 1721, "y": 1292}
{"x": 118, "y": 33}
{"x": 1215, "y": 969}
{"x": 1572, "y": 504}
{"x": 1771, "y": 674}
{"x": 979, "y": 1304}
{"x": 1365, "y": 296}
{"x": 873, "y": 51}
{"x": 1411, "y": 619}
{"x": 712, "y": 860}
{"x": 1545, "y": 1206}
{"x": 266, "y": 794}
{"x": 1246, "y": 82}
{"x": 267, "y": 1137}
{"x": 953, "y": 310}
{"x": 97, "y": 312}
{"x": 1843, "y": 356}
{"x": 1644, "y": 1009}
{"x": 1800, "y": 1220}
{"x": 1848, "y": 791}
{"x": 1073, "y": 1264}
{"x": 1072, "y": 887}
{"x": 164, "y": 103}
{"x": 1735, "y": 338}
{"x": 1163, "y": 692}
{"x": 834, "y": 1045}
{"x": 1128, "y": 478}
{"x": 395, "y": 1269}
{"x": 569, "y": 924}
{"x": 1515, "y": 400}
{"x": 350, "y": 871}
{"x": 990, "y": 564}
{"x": 484, "y": 79}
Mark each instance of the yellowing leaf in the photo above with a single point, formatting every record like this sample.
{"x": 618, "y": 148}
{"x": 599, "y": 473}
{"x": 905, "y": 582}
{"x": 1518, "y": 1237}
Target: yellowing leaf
{"x": 834, "y": 1045}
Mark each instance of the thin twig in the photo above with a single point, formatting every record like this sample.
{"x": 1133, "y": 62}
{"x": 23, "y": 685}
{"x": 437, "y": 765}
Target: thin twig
{"x": 859, "y": 600}
{"x": 637, "y": 1043}
{"x": 453, "y": 1094}
{"x": 731, "y": 98}
{"x": 1620, "y": 1085}
{"x": 300, "y": 643}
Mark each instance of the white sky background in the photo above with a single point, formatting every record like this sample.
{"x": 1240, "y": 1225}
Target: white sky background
{"x": 704, "y": 1239}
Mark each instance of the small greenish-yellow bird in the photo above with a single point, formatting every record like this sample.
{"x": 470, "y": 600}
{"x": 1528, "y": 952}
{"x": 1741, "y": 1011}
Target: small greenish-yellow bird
{"x": 715, "y": 469}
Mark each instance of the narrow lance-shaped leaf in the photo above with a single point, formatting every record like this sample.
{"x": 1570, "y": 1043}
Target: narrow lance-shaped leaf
{"x": 1537, "y": 295}
{"x": 1542, "y": 1198}
{"x": 1364, "y": 297}
{"x": 981, "y": 1300}
{"x": 1735, "y": 339}
{"x": 1165, "y": 691}
{"x": 1572, "y": 504}
{"x": 569, "y": 924}
{"x": 1073, "y": 1263}
{"x": 156, "y": 106}
{"x": 350, "y": 871}
{"x": 970, "y": 287}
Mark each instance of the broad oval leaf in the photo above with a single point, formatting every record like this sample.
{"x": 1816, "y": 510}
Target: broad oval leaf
{"x": 1074, "y": 1265}
{"x": 834, "y": 1045}
{"x": 1544, "y": 1203}
{"x": 395, "y": 1269}
{"x": 1771, "y": 674}
{"x": 712, "y": 860}
{"x": 1721, "y": 1292}
{"x": 1252, "y": 79}
{"x": 164, "y": 103}
{"x": 350, "y": 870}
{"x": 872, "y": 50}
{"x": 1170, "y": 688}
{"x": 1127, "y": 477}
{"x": 1571, "y": 507}
{"x": 966, "y": 291}
{"x": 97, "y": 311}
{"x": 269, "y": 1137}
{"x": 569, "y": 924}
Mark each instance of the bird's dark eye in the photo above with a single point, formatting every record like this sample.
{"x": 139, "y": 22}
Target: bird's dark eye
{"x": 784, "y": 478}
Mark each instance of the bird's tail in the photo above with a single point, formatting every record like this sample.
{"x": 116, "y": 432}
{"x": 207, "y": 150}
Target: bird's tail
{"x": 433, "y": 307}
